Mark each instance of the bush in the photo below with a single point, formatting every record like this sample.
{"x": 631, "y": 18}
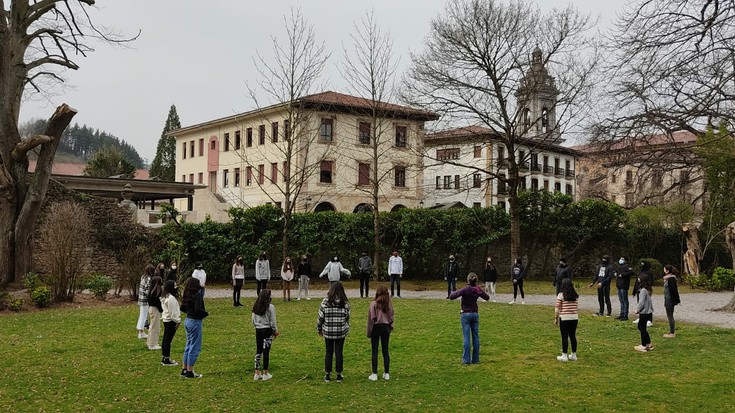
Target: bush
{"x": 31, "y": 281}
{"x": 41, "y": 296}
{"x": 4, "y": 296}
{"x": 657, "y": 269}
{"x": 722, "y": 279}
{"x": 99, "y": 285}
{"x": 15, "y": 304}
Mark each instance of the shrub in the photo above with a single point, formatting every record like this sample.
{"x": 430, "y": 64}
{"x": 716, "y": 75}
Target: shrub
{"x": 15, "y": 304}
{"x": 99, "y": 285}
{"x": 4, "y": 296}
{"x": 41, "y": 296}
{"x": 656, "y": 268}
{"x": 722, "y": 279}
{"x": 31, "y": 281}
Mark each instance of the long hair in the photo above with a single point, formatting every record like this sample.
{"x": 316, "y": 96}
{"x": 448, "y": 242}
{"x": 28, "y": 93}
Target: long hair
{"x": 671, "y": 269}
{"x": 489, "y": 264}
{"x": 287, "y": 265}
{"x": 170, "y": 287}
{"x": 262, "y": 302}
{"x": 190, "y": 291}
{"x": 647, "y": 283}
{"x": 568, "y": 291}
{"x": 336, "y": 296}
{"x": 150, "y": 271}
{"x": 156, "y": 287}
{"x": 383, "y": 298}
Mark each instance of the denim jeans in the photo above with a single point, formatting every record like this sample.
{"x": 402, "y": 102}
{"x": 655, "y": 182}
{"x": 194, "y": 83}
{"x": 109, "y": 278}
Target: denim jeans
{"x": 451, "y": 285}
{"x": 623, "y": 297}
{"x": 470, "y": 323}
{"x": 193, "y": 341}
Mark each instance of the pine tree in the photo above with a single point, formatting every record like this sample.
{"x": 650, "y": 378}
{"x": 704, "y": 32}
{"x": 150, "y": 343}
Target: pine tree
{"x": 163, "y": 166}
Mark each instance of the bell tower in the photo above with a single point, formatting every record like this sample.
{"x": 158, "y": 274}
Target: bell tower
{"x": 536, "y": 97}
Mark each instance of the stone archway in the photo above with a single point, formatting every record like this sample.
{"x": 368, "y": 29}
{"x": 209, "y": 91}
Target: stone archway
{"x": 397, "y": 207}
{"x": 362, "y": 208}
{"x": 324, "y": 207}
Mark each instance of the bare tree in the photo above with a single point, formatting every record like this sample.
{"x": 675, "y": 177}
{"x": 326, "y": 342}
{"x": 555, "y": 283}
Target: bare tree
{"x": 291, "y": 77}
{"x": 488, "y": 63}
{"x": 38, "y": 39}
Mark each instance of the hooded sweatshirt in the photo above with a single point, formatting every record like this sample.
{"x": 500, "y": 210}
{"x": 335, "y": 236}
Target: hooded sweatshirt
{"x": 333, "y": 271}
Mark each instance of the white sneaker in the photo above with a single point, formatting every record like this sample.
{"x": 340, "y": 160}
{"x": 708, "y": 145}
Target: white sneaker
{"x": 636, "y": 321}
{"x": 573, "y": 357}
{"x": 563, "y": 357}
{"x": 523, "y": 301}
{"x": 266, "y": 376}
{"x": 373, "y": 377}
{"x": 308, "y": 298}
{"x": 298, "y": 299}
{"x": 156, "y": 347}
{"x": 257, "y": 377}
{"x": 142, "y": 336}
{"x": 649, "y": 324}
{"x": 386, "y": 376}
{"x": 512, "y": 302}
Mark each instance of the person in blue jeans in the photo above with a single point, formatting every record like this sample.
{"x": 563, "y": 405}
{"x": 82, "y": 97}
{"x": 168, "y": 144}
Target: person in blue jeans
{"x": 470, "y": 318}
{"x": 192, "y": 304}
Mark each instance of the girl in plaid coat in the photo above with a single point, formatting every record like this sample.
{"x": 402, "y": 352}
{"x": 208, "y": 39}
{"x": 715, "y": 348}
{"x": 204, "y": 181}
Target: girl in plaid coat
{"x": 333, "y": 323}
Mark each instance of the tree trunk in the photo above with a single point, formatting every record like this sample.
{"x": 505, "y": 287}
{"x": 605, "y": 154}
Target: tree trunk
{"x": 693, "y": 254}
{"x": 730, "y": 240}
{"x": 376, "y": 238}
{"x": 515, "y": 225}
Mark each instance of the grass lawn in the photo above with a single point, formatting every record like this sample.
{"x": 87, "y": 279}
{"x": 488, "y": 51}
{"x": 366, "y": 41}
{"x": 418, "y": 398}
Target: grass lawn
{"x": 90, "y": 360}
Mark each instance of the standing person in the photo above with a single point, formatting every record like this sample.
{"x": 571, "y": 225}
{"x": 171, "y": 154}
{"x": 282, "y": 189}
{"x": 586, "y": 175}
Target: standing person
{"x": 200, "y": 275}
{"x": 173, "y": 273}
{"x": 364, "y": 268}
{"x": 262, "y": 272}
{"x": 160, "y": 270}
{"x": 645, "y": 271}
{"x": 304, "y": 272}
{"x": 333, "y": 323}
{"x": 395, "y": 270}
{"x": 192, "y": 303}
{"x": 143, "y": 287}
{"x": 671, "y": 297}
{"x": 517, "y": 273}
{"x": 490, "y": 276}
{"x": 286, "y": 278}
{"x": 333, "y": 270}
{"x": 566, "y": 316}
{"x": 470, "y": 318}
{"x": 645, "y": 313}
{"x": 561, "y": 272}
{"x": 622, "y": 283}
{"x": 238, "y": 278}
{"x": 379, "y": 327}
{"x": 602, "y": 281}
{"x": 266, "y": 330}
{"x": 155, "y": 309}
{"x": 171, "y": 318}
{"x": 451, "y": 271}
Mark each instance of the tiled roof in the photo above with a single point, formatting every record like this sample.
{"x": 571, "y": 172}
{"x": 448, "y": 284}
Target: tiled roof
{"x": 476, "y": 131}
{"x": 77, "y": 169}
{"x": 680, "y": 138}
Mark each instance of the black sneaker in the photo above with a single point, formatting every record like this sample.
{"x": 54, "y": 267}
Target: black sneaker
{"x": 168, "y": 362}
{"x": 339, "y": 378}
{"x": 183, "y": 373}
{"x": 192, "y": 375}
{"x": 327, "y": 379}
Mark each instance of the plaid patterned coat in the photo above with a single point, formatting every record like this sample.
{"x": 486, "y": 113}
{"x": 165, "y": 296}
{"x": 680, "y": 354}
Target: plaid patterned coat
{"x": 333, "y": 321}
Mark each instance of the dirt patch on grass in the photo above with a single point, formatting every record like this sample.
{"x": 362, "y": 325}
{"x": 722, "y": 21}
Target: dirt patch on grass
{"x": 81, "y": 300}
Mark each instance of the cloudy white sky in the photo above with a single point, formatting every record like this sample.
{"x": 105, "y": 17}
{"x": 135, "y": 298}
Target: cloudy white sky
{"x": 199, "y": 54}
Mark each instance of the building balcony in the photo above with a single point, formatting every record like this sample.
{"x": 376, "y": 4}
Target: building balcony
{"x": 559, "y": 171}
{"x": 548, "y": 169}
{"x": 502, "y": 190}
{"x": 570, "y": 173}
{"x": 536, "y": 167}
{"x": 523, "y": 166}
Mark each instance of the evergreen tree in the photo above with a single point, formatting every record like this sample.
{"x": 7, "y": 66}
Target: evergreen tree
{"x": 164, "y": 164}
{"x": 109, "y": 161}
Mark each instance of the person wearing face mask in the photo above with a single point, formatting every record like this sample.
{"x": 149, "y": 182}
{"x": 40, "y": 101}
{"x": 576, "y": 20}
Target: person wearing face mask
{"x": 304, "y": 272}
{"x": 262, "y": 272}
{"x": 602, "y": 281}
{"x": 622, "y": 281}
{"x": 451, "y": 271}
{"x": 490, "y": 276}
{"x": 238, "y": 277}
{"x": 333, "y": 270}
{"x": 517, "y": 273}
{"x": 173, "y": 273}
{"x": 562, "y": 271}
{"x": 200, "y": 275}
{"x": 395, "y": 269}
{"x": 645, "y": 272}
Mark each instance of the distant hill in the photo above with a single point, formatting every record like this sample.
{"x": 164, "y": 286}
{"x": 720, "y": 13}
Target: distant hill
{"x": 80, "y": 143}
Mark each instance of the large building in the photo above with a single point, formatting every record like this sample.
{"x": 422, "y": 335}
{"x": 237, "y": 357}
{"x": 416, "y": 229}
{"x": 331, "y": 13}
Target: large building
{"x": 325, "y": 156}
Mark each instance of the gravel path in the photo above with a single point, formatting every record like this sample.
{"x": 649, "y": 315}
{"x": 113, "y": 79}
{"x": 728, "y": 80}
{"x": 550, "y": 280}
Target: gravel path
{"x": 694, "y": 307}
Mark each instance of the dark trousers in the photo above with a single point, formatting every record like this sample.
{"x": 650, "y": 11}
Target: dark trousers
{"x": 670, "y": 316}
{"x": 395, "y": 279}
{"x": 335, "y": 348}
{"x": 518, "y": 286}
{"x": 262, "y": 285}
{"x": 623, "y": 298}
{"x": 364, "y": 283}
{"x": 263, "y": 341}
{"x": 603, "y": 297}
{"x": 236, "y": 291}
{"x": 451, "y": 285}
{"x": 643, "y": 328}
{"x": 380, "y": 335}
{"x": 169, "y": 330}
{"x": 568, "y": 330}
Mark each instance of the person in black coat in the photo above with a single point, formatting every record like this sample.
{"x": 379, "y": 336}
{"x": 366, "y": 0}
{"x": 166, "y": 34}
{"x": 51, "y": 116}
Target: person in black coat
{"x": 451, "y": 272}
{"x": 490, "y": 277}
{"x": 517, "y": 273}
{"x": 602, "y": 281}
{"x": 623, "y": 272}
{"x": 561, "y": 272}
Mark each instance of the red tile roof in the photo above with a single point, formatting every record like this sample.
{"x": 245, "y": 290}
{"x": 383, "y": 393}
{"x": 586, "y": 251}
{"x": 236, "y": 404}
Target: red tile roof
{"x": 77, "y": 169}
{"x": 349, "y": 101}
{"x": 679, "y": 138}
{"x": 477, "y": 131}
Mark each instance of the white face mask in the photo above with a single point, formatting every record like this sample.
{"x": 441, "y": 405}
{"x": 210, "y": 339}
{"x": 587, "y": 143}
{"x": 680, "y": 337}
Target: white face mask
{"x": 621, "y": 262}
{"x": 173, "y": 267}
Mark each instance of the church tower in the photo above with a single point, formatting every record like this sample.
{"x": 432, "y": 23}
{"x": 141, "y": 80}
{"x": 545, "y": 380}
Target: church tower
{"x": 536, "y": 97}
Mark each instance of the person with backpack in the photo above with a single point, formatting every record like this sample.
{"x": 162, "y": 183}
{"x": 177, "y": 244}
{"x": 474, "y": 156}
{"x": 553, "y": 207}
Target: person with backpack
{"x": 364, "y": 268}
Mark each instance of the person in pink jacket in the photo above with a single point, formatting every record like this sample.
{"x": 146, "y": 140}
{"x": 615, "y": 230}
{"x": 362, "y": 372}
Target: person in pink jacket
{"x": 379, "y": 327}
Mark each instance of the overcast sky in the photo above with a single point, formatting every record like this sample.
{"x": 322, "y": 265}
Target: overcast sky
{"x": 199, "y": 54}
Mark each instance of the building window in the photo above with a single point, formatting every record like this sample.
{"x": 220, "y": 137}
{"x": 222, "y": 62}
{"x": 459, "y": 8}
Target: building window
{"x": 261, "y": 135}
{"x": 325, "y": 130}
{"x": 225, "y": 178}
{"x": 401, "y": 141}
{"x": 286, "y": 130}
{"x": 237, "y": 177}
{"x": 534, "y": 162}
{"x": 445, "y": 154}
{"x": 534, "y": 184}
{"x": 501, "y": 156}
{"x": 274, "y": 132}
{"x": 325, "y": 172}
{"x": 570, "y": 191}
{"x": 249, "y": 137}
{"x": 438, "y": 182}
{"x": 526, "y": 119}
{"x": 200, "y": 178}
{"x": 400, "y": 172}
{"x": 248, "y": 175}
{"x": 557, "y": 187}
{"x": 274, "y": 172}
{"x": 227, "y": 142}
{"x": 183, "y": 177}
{"x": 363, "y": 174}
{"x": 522, "y": 184}
{"x": 546, "y": 184}
{"x": 191, "y": 178}
{"x": 476, "y": 205}
{"x": 201, "y": 147}
{"x": 286, "y": 171}
{"x": 191, "y": 149}
{"x": 213, "y": 145}
{"x": 279, "y": 205}
{"x": 447, "y": 182}
{"x": 629, "y": 178}
{"x": 183, "y": 152}
{"x": 238, "y": 144}
{"x": 261, "y": 174}
{"x": 501, "y": 205}
{"x": 544, "y": 120}
{"x": 476, "y": 180}
{"x": 363, "y": 133}
{"x": 547, "y": 167}
{"x": 456, "y": 181}
{"x": 477, "y": 151}
{"x": 502, "y": 185}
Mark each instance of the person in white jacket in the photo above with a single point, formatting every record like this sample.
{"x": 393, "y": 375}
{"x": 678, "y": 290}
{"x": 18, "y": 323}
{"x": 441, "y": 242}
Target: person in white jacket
{"x": 262, "y": 271}
{"x": 395, "y": 269}
{"x": 200, "y": 275}
{"x": 171, "y": 318}
{"x": 333, "y": 270}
